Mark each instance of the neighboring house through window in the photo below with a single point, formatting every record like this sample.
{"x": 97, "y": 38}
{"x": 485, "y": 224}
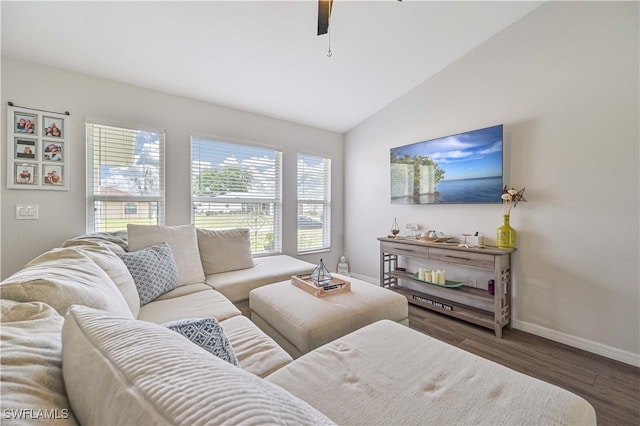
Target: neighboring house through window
{"x": 236, "y": 185}
{"x": 314, "y": 203}
{"x": 125, "y": 177}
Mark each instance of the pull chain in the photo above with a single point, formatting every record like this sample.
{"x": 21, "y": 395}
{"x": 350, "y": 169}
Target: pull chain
{"x": 329, "y": 34}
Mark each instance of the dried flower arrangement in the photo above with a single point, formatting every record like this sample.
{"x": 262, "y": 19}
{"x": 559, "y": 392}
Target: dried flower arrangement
{"x": 510, "y": 198}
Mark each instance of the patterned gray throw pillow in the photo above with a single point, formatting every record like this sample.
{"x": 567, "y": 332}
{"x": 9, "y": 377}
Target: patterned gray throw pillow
{"x": 208, "y": 334}
{"x": 153, "y": 270}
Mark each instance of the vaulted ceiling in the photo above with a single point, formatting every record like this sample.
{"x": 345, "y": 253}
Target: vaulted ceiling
{"x": 260, "y": 56}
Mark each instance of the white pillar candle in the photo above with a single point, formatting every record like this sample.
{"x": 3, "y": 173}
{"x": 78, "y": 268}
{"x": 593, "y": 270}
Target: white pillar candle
{"x": 421, "y": 274}
{"x": 442, "y": 279}
{"x": 428, "y": 276}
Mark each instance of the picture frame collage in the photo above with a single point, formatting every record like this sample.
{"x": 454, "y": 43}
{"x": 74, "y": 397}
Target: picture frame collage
{"x": 38, "y": 148}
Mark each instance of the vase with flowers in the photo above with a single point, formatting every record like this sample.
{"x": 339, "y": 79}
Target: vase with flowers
{"x": 506, "y": 236}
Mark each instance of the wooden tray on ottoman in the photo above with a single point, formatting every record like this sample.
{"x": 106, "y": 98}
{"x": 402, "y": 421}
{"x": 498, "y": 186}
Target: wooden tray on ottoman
{"x": 334, "y": 287}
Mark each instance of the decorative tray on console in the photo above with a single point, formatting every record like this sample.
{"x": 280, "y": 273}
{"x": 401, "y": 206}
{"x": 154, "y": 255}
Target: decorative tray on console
{"x": 449, "y": 284}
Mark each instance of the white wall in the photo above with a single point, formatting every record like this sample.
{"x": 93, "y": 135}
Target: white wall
{"x": 564, "y": 81}
{"x": 62, "y": 214}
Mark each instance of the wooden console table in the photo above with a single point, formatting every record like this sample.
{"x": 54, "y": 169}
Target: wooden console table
{"x": 467, "y": 303}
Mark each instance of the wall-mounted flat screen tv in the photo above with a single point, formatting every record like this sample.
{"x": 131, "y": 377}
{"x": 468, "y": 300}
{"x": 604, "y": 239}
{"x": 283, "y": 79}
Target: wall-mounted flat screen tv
{"x": 458, "y": 169}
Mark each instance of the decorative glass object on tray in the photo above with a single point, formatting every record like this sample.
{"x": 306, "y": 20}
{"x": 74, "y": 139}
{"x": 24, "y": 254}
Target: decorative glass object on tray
{"x": 320, "y": 275}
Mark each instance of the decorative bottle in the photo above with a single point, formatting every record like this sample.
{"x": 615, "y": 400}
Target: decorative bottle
{"x": 395, "y": 229}
{"x": 506, "y": 237}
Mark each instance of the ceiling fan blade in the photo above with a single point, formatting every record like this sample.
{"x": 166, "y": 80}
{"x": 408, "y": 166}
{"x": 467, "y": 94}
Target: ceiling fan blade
{"x": 324, "y": 14}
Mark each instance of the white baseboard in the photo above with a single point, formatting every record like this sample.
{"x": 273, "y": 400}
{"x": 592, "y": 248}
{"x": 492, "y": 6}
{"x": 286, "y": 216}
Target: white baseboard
{"x": 367, "y": 279}
{"x": 556, "y": 336}
{"x": 580, "y": 343}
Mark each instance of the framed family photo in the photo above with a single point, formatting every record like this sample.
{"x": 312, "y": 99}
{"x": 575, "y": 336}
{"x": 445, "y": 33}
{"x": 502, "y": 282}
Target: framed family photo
{"x": 25, "y": 123}
{"x": 52, "y": 127}
{"x": 25, "y": 149}
{"x": 52, "y": 175}
{"x": 52, "y": 151}
{"x": 24, "y": 174}
{"x": 37, "y": 148}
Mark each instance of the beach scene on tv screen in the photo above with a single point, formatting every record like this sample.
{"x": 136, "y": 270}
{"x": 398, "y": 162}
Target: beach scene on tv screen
{"x": 462, "y": 168}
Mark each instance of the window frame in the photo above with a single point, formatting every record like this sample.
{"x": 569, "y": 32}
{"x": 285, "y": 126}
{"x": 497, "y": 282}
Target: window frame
{"x": 326, "y": 203}
{"x": 92, "y": 198}
{"x": 276, "y": 201}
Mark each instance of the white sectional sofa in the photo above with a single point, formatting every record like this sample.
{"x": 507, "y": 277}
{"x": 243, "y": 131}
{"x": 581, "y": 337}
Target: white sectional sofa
{"x": 77, "y": 347}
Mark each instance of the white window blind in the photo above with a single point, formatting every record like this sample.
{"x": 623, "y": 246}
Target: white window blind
{"x": 238, "y": 186}
{"x": 314, "y": 203}
{"x": 125, "y": 178}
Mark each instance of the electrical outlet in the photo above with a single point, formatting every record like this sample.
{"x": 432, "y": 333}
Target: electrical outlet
{"x": 473, "y": 282}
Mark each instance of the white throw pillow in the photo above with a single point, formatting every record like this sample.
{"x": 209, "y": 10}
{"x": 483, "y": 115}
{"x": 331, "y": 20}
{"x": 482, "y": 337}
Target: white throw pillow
{"x": 122, "y": 371}
{"x": 224, "y": 250}
{"x": 63, "y": 277}
{"x": 183, "y": 242}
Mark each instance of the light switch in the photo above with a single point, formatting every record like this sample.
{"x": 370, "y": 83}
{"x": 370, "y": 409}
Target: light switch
{"x": 26, "y": 211}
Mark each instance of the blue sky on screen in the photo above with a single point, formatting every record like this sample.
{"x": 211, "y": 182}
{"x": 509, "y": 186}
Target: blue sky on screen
{"x": 469, "y": 155}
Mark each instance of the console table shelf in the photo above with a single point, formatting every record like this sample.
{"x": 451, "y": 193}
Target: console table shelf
{"x": 467, "y": 303}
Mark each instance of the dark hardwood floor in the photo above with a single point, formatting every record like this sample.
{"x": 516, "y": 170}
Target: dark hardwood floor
{"x": 612, "y": 387}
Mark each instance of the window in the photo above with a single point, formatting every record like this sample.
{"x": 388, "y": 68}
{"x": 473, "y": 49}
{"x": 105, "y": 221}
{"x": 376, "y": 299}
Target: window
{"x": 314, "y": 203}
{"x": 125, "y": 178}
{"x": 131, "y": 208}
{"x": 238, "y": 186}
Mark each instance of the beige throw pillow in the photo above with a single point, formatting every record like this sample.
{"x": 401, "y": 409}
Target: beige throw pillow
{"x": 126, "y": 372}
{"x": 224, "y": 250}
{"x": 183, "y": 242}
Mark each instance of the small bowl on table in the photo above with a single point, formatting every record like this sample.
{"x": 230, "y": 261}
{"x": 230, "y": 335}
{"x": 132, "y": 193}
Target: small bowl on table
{"x": 440, "y": 239}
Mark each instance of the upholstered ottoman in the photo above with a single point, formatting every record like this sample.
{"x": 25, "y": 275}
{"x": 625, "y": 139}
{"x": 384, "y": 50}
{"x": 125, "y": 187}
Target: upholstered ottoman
{"x": 301, "y": 322}
{"x": 386, "y": 374}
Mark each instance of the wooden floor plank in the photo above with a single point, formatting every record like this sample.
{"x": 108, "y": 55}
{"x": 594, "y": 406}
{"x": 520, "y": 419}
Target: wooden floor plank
{"x": 612, "y": 387}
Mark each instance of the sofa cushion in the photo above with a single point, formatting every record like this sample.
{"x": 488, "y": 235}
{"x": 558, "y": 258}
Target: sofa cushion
{"x": 432, "y": 383}
{"x": 201, "y": 304}
{"x": 143, "y": 373}
{"x": 183, "y": 242}
{"x": 111, "y": 263}
{"x": 153, "y": 270}
{"x": 31, "y": 367}
{"x": 257, "y": 353}
{"x": 183, "y": 290}
{"x": 207, "y": 334}
{"x": 224, "y": 250}
{"x": 62, "y": 277}
{"x": 236, "y": 285}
